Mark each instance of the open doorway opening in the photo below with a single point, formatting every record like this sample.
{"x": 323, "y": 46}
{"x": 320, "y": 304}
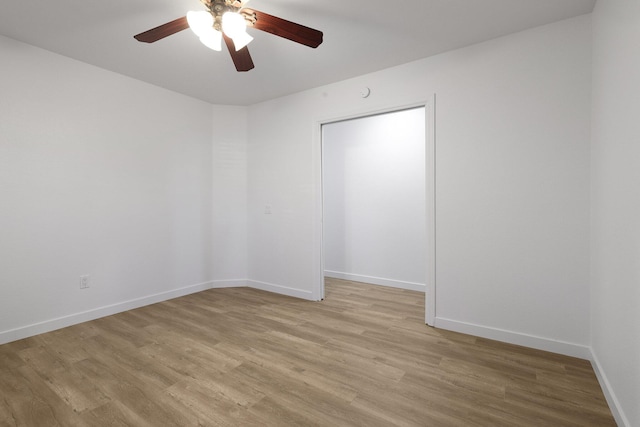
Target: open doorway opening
{"x": 377, "y": 186}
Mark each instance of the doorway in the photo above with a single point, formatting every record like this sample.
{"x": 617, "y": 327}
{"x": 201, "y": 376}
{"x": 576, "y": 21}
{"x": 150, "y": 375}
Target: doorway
{"x": 377, "y": 200}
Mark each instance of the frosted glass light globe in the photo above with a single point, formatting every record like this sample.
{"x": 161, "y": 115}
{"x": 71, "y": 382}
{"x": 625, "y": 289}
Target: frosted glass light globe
{"x": 233, "y": 24}
{"x": 241, "y": 40}
{"x": 212, "y": 39}
{"x": 200, "y": 22}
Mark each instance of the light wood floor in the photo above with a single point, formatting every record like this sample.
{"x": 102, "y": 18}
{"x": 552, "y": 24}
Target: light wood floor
{"x": 243, "y": 357}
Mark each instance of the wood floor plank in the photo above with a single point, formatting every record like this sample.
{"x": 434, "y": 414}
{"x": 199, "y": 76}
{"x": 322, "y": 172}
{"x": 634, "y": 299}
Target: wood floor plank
{"x": 244, "y": 357}
{"x": 212, "y": 407}
{"x": 130, "y": 363}
{"x": 76, "y": 391}
{"x": 44, "y": 359}
{"x": 9, "y": 358}
{"x": 143, "y": 399}
{"x": 33, "y": 403}
{"x": 310, "y": 373}
{"x": 308, "y": 401}
{"x": 113, "y": 414}
{"x": 272, "y": 412}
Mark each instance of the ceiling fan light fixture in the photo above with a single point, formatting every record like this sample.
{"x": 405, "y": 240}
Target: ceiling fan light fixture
{"x": 233, "y": 24}
{"x": 228, "y": 20}
{"x": 241, "y": 40}
{"x": 200, "y": 22}
{"x": 212, "y": 39}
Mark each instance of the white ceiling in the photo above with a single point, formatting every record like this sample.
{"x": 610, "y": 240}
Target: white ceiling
{"x": 360, "y": 36}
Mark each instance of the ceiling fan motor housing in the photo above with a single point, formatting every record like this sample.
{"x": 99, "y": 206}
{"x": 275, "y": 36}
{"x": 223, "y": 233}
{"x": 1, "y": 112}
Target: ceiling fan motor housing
{"x": 217, "y": 8}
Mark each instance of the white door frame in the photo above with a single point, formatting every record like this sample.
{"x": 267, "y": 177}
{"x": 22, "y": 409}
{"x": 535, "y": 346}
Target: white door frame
{"x": 430, "y": 185}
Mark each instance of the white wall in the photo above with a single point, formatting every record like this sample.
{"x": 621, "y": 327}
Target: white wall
{"x": 615, "y": 320}
{"x": 374, "y": 199}
{"x": 229, "y": 195}
{"x": 512, "y": 182}
{"x": 100, "y": 175}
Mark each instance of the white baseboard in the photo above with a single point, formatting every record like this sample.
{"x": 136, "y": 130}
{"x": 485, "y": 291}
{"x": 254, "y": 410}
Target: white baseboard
{"x": 236, "y": 283}
{"x": 525, "y": 340}
{"x": 279, "y": 289}
{"x": 96, "y": 313}
{"x": 420, "y": 287}
{"x": 612, "y": 400}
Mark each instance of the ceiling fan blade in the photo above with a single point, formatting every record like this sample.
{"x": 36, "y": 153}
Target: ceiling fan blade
{"x": 287, "y": 29}
{"x": 164, "y": 30}
{"x": 241, "y": 58}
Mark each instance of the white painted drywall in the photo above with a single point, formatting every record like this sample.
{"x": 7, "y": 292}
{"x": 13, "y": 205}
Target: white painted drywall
{"x": 615, "y": 204}
{"x": 100, "y": 175}
{"x": 512, "y": 182}
{"x": 229, "y": 195}
{"x": 374, "y": 199}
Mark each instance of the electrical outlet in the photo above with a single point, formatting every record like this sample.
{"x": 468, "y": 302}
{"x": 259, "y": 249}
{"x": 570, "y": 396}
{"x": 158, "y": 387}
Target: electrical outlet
{"x": 84, "y": 282}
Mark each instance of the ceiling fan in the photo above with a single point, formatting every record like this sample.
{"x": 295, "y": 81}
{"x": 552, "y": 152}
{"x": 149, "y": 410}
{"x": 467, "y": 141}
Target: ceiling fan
{"x": 227, "y": 20}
